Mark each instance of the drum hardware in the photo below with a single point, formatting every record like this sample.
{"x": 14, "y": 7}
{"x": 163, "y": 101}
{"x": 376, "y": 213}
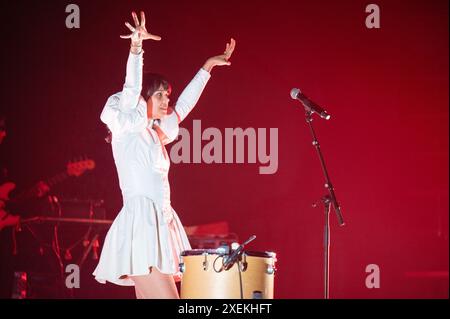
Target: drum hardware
{"x": 228, "y": 262}
{"x": 243, "y": 264}
{"x": 181, "y": 266}
{"x": 205, "y": 261}
{"x": 270, "y": 269}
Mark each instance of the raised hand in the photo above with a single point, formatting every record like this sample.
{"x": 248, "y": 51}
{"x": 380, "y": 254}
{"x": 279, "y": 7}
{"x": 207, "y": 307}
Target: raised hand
{"x": 139, "y": 31}
{"x": 222, "y": 59}
{"x": 229, "y": 51}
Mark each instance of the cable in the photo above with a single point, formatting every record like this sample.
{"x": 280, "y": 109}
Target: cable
{"x": 241, "y": 292}
{"x": 214, "y": 264}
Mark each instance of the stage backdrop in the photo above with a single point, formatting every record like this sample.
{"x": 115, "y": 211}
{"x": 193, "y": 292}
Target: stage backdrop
{"x": 385, "y": 146}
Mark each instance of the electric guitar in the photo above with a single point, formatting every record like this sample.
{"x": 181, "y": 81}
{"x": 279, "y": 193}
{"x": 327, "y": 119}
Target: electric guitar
{"x": 74, "y": 168}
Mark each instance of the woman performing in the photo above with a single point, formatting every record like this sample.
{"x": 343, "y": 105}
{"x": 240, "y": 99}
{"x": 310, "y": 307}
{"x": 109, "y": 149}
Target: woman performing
{"x": 143, "y": 245}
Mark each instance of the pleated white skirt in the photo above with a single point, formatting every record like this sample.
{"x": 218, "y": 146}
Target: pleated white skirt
{"x": 141, "y": 236}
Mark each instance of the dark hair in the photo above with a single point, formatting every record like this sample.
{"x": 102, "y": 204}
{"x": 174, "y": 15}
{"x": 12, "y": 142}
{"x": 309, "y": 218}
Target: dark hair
{"x": 151, "y": 83}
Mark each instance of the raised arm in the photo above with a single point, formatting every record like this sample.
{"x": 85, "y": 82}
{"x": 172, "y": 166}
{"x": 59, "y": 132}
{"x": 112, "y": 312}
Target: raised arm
{"x": 138, "y": 33}
{"x": 133, "y": 80}
{"x": 123, "y": 112}
{"x": 190, "y": 95}
{"x": 222, "y": 59}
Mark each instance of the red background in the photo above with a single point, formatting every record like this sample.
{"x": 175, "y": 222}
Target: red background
{"x": 386, "y": 145}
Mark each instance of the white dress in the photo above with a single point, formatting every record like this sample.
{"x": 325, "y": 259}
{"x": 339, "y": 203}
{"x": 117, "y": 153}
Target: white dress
{"x": 147, "y": 231}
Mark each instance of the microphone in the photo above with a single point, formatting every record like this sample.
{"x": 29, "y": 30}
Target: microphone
{"x": 229, "y": 262}
{"x": 296, "y": 94}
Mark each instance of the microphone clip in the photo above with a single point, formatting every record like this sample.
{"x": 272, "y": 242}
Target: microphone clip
{"x": 235, "y": 255}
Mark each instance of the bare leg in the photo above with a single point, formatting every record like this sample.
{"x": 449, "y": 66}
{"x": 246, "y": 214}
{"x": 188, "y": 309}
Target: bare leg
{"x": 155, "y": 286}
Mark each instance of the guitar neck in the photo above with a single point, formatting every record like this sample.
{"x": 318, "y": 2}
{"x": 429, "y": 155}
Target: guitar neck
{"x": 34, "y": 191}
{"x": 56, "y": 179}
{"x": 73, "y": 169}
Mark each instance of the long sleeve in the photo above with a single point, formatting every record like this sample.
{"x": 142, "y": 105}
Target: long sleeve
{"x": 120, "y": 121}
{"x": 126, "y": 111}
{"x": 190, "y": 95}
{"x": 133, "y": 82}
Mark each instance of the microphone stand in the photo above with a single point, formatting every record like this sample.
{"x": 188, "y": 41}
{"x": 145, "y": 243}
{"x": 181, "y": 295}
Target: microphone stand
{"x": 327, "y": 200}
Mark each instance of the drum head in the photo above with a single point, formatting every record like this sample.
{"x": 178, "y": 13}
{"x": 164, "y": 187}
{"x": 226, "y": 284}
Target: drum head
{"x": 219, "y": 251}
{"x": 199, "y": 252}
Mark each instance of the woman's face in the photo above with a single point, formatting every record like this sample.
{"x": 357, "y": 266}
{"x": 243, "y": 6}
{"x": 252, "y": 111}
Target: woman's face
{"x": 158, "y": 103}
